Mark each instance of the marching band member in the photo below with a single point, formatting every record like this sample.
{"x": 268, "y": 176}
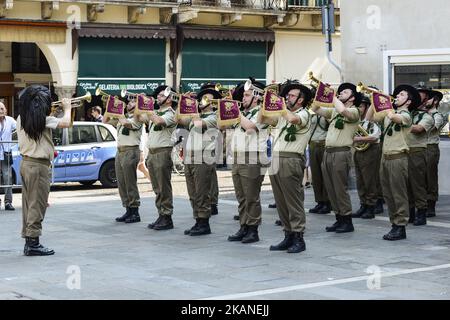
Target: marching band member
{"x": 417, "y": 159}
{"x": 288, "y": 164}
{"x": 367, "y": 163}
{"x": 344, "y": 118}
{"x": 249, "y": 145}
{"x": 433, "y": 152}
{"x": 159, "y": 159}
{"x": 200, "y": 160}
{"x": 129, "y": 132}
{"x": 319, "y": 127}
{"x": 394, "y": 162}
{"x": 36, "y": 147}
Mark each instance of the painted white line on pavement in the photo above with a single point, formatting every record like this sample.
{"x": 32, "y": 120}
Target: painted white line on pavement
{"x": 429, "y": 223}
{"x": 323, "y": 283}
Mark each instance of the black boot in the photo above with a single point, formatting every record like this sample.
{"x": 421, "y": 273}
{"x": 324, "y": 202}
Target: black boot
{"x": 369, "y": 213}
{"x": 134, "y": 216}
{"x": 202, "y": 228}
{"x": 272, "y": 206}
{"x": 214, "y": 210}
{"x": 240, "y": 234}
{"x": 346, "y": 225}
{"x": 333, "y": 227}
{"x": 317, "y": 208}
{"x": 360, "y": 211}
{"x": 34, "y": 248}
{"x": 298, "y": 243}
{"x": 421, "y": 217}
{"x": 278, "y": 222}
{"x": 193, "y": 228}
{"x": 236, "y": 217}
{"x": 251, "y": 236}
{"x": 431, "y": 211}
{"x": 124, "y": 217}
{"x": 151, "y": 225}
{"x": 379, "y": 207}
{"x": 285, "y": 244}
{"x": 412, "y": 215}
{"x": 326, "y": 208}
{"x": 165, "y": 223}
{"x": 396, "y": 233}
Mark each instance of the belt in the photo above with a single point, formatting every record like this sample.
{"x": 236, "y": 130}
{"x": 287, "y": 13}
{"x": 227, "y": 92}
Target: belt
{"x": 158, "y": 150}
{"x": 395, "y": 156}
{"x": 37, "y": 160}
{"x": 318, "y": 143}
{"x": 336, "y": 149}
{"x": 417, "y": 149}
{"x": 283, "y": 154}
{"x": 126, "y": 148}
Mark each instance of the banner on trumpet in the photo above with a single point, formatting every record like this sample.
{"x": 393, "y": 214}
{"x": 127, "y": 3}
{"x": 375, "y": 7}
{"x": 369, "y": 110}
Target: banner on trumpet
{"x": 324, "y": 95}
{"x": 115, "y": 108}
{"x": 273, "y": 104}
{"x": 144, "y": 105}
{"x": 228, "y": 113}
{"x": 381, "y": 102}
{"x": 187, "y": 106}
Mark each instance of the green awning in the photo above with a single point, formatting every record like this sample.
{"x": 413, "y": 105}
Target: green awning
{"x": 226, "y": 62}
{"x": 137, "y": 65}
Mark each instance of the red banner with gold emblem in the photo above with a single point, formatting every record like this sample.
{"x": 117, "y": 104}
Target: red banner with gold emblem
{"x": 187, "y": 106}
{"x": 381, "y": 102}
{"x": 144, "y": 104}
{"x": 324, "y": 95}
{"x": 228, "y": 112}
{"x": 273, "y": 105}
{"x": 115, "y": 108}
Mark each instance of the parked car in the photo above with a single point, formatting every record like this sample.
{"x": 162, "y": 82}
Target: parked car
{"x": 86, "y": 154}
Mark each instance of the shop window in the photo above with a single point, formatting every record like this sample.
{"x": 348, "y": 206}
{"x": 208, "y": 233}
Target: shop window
{"x": 28, "y": 58}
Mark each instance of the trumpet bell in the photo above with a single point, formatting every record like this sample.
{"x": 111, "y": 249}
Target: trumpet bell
{"x": 248, "y": 85}
{"x": 123, "y": 93}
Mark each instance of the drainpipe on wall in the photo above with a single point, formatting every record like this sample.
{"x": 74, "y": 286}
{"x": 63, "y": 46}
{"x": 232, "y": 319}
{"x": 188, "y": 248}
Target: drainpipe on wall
{"x": 328, "y": 29}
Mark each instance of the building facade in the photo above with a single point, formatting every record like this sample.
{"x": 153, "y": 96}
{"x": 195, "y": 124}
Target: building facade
{"x": 77, "y": 46}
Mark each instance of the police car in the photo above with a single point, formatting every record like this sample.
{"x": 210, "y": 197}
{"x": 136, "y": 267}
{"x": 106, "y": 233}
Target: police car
{"x": 86, "y": 154}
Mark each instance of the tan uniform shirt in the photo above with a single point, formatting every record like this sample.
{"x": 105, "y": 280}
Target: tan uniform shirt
{"x": 439, "y": 122}
{"x": 302, "y": 133}
{"x": 203, "y": 140}
{"x": 419, "y": 140}
{"x": 372, "y": 129}
{"x": 161, "y": 136}
{"x": 44, "y": 148}
{"x": 341, "y": 137}
{"x": 254, "y": 141}
{"x": 395, "y": 137}
{"x": 320, "y": 126}
{"x": 133, "y": 138}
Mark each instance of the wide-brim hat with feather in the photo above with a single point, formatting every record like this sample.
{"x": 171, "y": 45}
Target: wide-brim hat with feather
{"x": 158, "y": 90}
{"x": 352, "y": 87}
{"x": 290, "y": 85}
{"x": 216, "y": 94}
{"x": 437, "y": 95}
{"x": 415, "y": 96}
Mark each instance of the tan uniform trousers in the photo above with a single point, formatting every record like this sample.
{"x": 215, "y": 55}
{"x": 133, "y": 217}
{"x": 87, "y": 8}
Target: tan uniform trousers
{"x": 214, "y": 192}
{"x": 198, "y": 183}
{"x": 394, "y": 180}
{"x": 433, "y": 155}
{"x": 367, "y": 169}
{"x": 288, "y": 191}
{"x": 247, "y": 181}
{"x": 417, "y": 171}
{"x": 159, "y": 164}
{"x": 127, "y": 159}
{"x": 335, "y": 168}
{"x": 35, "y": 190}
{"x": 316, "y": 150}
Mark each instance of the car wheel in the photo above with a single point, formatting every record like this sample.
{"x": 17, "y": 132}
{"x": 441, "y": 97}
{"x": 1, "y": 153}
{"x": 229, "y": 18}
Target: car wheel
{"x": 88, "y": 182}
{"x": 108, "y": 175}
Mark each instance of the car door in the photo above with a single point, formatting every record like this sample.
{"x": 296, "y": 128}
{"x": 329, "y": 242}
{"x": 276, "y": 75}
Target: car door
{"x": 59, "y": 165}
{"x": 81, "y": 156}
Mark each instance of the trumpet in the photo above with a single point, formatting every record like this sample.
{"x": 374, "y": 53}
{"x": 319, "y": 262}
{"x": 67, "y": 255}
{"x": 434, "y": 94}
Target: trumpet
{"x": 87, "y": 97}
{"x": 362, "y": 88}
{"x": 256, "y": 91}
{"x": 206, "y": 101}
{"x": 75, "y": 102}
{"x": 100, "y": 92}
{"x": 361, "y": 132}
{"x": 173, "y": 95}
{"x": 313, "y": 79}
{"x": 124, "y": 93}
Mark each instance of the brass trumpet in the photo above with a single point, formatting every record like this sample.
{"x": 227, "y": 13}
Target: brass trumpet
{"x": 206, "y": 101}
{"x": 313, "y": 79}
{"x": 75, "y": 102}
{"x": 124, "y": 93}
{"x": 256, "y": 91}
{"x": 361, "y": 132}
{"x": 362, "y": 88}
{"x": 173, "y": 95}
{"x": 87, "y": 97}
{"x": 100, "y": 92}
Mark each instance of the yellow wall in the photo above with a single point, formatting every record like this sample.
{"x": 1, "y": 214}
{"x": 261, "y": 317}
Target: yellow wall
{"x": 296, "y": 53}
{"x": 215, "y": 19}
{"x": 5, "y": 57}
